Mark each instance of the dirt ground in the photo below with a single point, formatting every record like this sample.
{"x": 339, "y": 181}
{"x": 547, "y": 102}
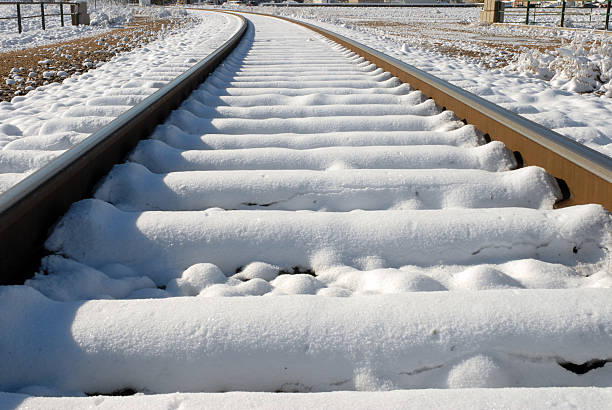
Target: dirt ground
{"x": 73, "y": 57}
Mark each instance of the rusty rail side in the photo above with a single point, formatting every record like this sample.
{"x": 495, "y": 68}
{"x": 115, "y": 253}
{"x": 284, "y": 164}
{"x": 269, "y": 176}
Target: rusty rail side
{"x": 29, "y": 209}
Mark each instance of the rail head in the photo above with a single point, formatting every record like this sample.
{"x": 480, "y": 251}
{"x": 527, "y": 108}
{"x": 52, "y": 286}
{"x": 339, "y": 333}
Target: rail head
{"x": 29, "y": 209}
{"x": 588, "y": 173}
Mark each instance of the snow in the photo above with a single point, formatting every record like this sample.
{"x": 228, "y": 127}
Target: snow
{"x": 313, "y": 236}
{"x": 162, "y": 244}
{"x": 70, "y": 280}
{"x": 543, "y": 86}
{"x": 189, "y": 122}
{"x": 77, "y": 282}
{"x": 519, "y": 399}
{"x": 571, "y": 68}
{"x": 305, "y": 343}
{"x": 55, "y": 117}
{"x": 132, "y": 187}
{"x": 195, "y": 279}
{"x": 104, "y": 16}
{"x": 173, "y": 136}
{"x": 159, "y": 157}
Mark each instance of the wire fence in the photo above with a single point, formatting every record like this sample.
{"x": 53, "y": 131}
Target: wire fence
{"x": 560, "y": 14}
{"x": 131, "y": 2}
{"x": 44, "y": 11}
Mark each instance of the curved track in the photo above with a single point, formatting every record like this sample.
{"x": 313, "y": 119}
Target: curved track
{"x": 410, "y": 252}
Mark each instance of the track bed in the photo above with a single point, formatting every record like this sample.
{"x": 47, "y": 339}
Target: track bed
{"x": 305, "y": 222}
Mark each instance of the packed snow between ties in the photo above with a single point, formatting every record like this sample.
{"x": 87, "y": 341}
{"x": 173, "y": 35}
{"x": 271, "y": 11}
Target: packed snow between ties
{"x": 368, "y": 240}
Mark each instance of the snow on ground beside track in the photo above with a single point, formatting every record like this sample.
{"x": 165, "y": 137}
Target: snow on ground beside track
{"x": 53, "y": 118}
{"x": 465, "y": 399}
{"x": 103, "y": 16}
{"x": 578, "y": 67}
{"x": 556, "y": 104}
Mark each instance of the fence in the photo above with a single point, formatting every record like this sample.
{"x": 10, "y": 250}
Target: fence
{"x": 73, "y": 12}
{"x": 556, "y": 13}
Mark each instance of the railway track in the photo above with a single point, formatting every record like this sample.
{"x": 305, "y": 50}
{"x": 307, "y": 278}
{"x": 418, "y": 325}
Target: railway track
{"x": 371, "y": 240}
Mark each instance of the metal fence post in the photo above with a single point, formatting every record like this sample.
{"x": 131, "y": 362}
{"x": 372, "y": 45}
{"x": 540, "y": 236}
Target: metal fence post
{"x": 501, "y": 11}
{"x": 590, "y": 15}
{"x": 562, "y": 13}
{"x": 42, "y": 15}
{"x": 74, "y": 8}
{"x": 19, "y": 18}
{"x": 608, "y": 16}
{"x": 527, "y": 17}
{"x": 62, "y": 13}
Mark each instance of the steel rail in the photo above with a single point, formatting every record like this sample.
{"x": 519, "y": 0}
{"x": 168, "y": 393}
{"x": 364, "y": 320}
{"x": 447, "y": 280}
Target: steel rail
{"x": 373, "y": 4}
{"x": 586, "y": 172}
{"x": 30, "y": 209}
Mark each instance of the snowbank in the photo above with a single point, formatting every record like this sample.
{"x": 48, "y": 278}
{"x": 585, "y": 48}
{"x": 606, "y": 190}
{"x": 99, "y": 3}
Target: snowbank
{"x": 577, "y": 67}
